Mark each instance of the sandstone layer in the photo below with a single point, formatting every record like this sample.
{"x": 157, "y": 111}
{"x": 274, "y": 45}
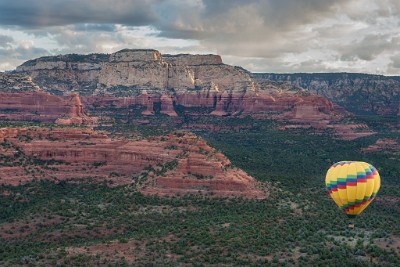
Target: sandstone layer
{"x": 23, "y": 100}
{"x": 14, "y": 83}
{"x": 384, "y": 145}
{"x": 176, "y": 164}
{"x": 130, "y": 71}
{"x": 168, "y": 83}
{"x": 358, "y": 93}
{"x": 145, "y": 77}
{"x": 65, "y": 73}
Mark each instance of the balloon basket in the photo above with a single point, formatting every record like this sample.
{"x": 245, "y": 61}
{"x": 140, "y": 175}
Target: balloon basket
{"x": 351, "y": 218}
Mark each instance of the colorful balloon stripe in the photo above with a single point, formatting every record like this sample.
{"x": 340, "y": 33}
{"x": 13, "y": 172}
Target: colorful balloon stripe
{"x": 352, "y": 185}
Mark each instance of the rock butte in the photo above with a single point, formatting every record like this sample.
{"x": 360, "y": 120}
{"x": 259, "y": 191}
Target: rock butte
{"x": 145, "y": 77}
{"x": 175, "y": 164}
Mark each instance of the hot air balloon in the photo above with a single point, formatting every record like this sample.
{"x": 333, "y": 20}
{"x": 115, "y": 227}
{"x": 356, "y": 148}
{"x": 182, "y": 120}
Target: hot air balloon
{"x": 352, "y": 185}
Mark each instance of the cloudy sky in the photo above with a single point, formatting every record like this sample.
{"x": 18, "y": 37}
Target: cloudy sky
{"x": 260, "y": 35}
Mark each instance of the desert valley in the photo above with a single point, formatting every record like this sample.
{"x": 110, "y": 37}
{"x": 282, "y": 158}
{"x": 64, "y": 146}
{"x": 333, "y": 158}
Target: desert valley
{"x": 138, "y": 158}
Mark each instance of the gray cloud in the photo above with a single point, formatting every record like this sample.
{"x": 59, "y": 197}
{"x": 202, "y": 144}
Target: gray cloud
{"x": 90, "y": 27}
{"x": 71, "y": 41}
{"x": 22, "y": 52}
{"x": 370, "y": 47}
{"x": 395, "y": 64}
{"x": 247, "y": 28}
{"x": 262, "y": 35}
{"x": 68, "y": 40}
{"x": 232, "y": 17}
{"x": 39, "y": 13}
{"x": 6, "y": 41}
{"x": 12, "y": 57}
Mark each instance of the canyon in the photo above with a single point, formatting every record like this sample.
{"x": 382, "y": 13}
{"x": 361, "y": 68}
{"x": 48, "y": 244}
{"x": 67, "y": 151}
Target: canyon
{"x": 94, "y": 89}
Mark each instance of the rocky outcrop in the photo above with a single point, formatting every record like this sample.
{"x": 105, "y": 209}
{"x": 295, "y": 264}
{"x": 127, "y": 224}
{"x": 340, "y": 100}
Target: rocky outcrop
{"x": 23, "y": 100}
{"x": 384, "y": 145}
{"x": 65, "y": 73}
{"x": 129, "y": 71}
{"x": 308, "y": 108}
{"x": 135, "y": 55}
{"x": 12, "y": 83}
{"x": 304, "y": 108}
{"x": 204, "y": 81}
{"x": 175, "y": 164}
{"x": 167, "y": 106}
{"x": 358, "y": 93}
{"x": 193, "y": 60}
{"x": 150, "y": 79}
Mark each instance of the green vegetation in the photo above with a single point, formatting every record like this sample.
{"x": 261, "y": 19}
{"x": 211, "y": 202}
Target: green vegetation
{"x": 200, "y": 176}
{"x": 296, "y": 158}
{"x": 75, "y": 224}
{"x": 14, "y": 124}
{"x": 91, "y": 58}
{"x": 99, "y": 163}
{"x": 161, "y": 169}
{"x": 47, "y": 218}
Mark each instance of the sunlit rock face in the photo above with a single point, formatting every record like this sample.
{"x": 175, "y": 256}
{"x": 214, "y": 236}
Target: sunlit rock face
{"x": 146, "y": 77}
{"x": 129, "y": 71}
{"x": 65, "y": 73}
{"x": 133, "y": 71}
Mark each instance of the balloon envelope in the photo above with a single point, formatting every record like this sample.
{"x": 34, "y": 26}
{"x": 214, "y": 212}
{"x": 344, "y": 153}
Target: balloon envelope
{"x": 352, "y": 185}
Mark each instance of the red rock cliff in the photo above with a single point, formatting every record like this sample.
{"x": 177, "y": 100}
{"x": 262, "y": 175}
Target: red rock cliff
{"x": 22, "y": 100}
{"x": 176, "y": 164}
{"x": 146, "y": 77}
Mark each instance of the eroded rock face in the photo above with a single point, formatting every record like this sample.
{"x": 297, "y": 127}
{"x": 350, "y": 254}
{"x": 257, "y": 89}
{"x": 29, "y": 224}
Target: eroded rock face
{"x": 65, "y": 73}
{"x": 303, "y": 108}
{"x": 176, "y": 164}
{"x": 134, "y": 55}
{"x": 23, "y": 100}
{"x": 193, "y": 60}
{"x": 167, "y": 106}
{"x": 359, "y": 93}
{"x": 310, "y": 108}
{"x": 145, "y": 77}
{"x": 12, "y": 83}
{"x": 130, "y": 71}
{"x": 385, "y": 145}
